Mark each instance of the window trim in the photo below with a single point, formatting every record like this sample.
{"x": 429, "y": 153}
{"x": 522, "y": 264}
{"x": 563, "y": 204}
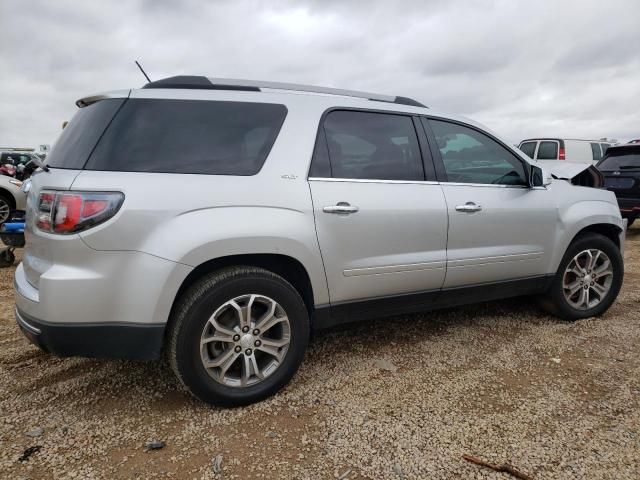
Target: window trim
{"x": 428, "y": 165}
{"x": 440, "y": 169}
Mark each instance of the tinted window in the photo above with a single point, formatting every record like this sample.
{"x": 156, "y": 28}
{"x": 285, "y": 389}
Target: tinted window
{"x": 320, "y": 166}
{"x": 188, "y": 136}
{"x": 621, "y": 161}
{"x": 79, "y": 137}
{"x": 528, "y": 148}
{"x": 548, "y": 151}
{"x": 595, "y": 151}
{"x": 373, "y": 146}
{"x": 472, "y": 157}
{"x": 604, "y": 147}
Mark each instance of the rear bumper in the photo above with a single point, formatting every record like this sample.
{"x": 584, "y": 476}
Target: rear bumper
{"x": 629, "y": 207}
{"x": 135, "y": 342}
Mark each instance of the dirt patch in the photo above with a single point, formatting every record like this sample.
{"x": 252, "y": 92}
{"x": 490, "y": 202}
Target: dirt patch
{"x": 500, "y": 380}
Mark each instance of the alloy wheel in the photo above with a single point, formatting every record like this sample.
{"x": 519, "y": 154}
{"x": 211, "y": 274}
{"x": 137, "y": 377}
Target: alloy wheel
{"x": 245, "y": 340}
{"x": 587, "y": 279}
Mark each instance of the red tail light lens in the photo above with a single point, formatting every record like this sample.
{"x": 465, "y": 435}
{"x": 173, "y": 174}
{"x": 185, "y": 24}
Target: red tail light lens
{"x": 72, "y": 212}
{"x": 561, "y": 154}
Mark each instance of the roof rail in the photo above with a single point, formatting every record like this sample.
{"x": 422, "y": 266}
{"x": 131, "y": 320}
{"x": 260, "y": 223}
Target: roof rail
{"x": 210, "y": 83}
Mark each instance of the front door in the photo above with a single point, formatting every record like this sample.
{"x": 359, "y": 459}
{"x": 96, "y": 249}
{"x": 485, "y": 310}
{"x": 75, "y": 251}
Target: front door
{"x": 499, "y": 228}
{"x": 381, "y": 226}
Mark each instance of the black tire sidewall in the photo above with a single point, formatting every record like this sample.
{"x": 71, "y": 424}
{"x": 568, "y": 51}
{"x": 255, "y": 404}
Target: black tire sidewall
{"x": 187, "y": 350}
{"x": 589, "y": 241}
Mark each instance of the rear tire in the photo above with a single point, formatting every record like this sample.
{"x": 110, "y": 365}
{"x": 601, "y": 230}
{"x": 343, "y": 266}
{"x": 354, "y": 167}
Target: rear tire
{"x": 600, "y": 287}
{"x": 257, "y": 366}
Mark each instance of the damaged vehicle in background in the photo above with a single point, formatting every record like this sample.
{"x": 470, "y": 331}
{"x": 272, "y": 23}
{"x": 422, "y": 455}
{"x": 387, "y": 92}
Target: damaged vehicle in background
{"x": 301, "y": 208}
{"x": 621, "y": 170}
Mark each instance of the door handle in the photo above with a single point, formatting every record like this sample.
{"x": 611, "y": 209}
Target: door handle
{"x": 342, "y": 208}
{"x": 468, "y": 207}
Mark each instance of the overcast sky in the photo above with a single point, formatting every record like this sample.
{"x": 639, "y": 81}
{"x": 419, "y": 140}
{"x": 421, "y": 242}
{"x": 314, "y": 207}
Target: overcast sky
{"x": 524, "y": 69}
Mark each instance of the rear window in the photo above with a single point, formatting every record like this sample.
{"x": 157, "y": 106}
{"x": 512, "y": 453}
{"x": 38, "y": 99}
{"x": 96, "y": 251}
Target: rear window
{"x": 79, "y": 137}
{"x": 620, "y": 161}
{"x": 189, "y": 136}
{"x": 548, "y": 151}
{"x": 528, "y": 148}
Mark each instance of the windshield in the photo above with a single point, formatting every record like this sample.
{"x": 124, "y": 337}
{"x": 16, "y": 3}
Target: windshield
{"x": 623, "y": 161}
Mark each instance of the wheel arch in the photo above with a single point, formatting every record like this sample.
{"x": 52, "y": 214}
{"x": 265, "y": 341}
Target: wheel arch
{"x": 289, "y": 268}
{"x": 609, "y": 230}
{"x": 6, "y": 193}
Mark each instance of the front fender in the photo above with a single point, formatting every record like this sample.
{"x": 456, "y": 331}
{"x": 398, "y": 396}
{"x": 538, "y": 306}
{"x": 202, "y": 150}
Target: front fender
{"x": 579, "y": 216}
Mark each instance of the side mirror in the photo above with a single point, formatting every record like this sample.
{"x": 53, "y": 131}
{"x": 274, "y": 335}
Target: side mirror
{"x": 538, "y": 177}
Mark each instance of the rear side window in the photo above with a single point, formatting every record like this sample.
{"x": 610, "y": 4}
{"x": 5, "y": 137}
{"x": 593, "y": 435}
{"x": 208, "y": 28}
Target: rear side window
{"x": 79, "y": 137}
{"x": 548, "y": 151}
{"x": 595, "y": 151}
{"x": 528, "y": 148}
{"x": 189, "y": 136}
{"x": 372, "y": 146}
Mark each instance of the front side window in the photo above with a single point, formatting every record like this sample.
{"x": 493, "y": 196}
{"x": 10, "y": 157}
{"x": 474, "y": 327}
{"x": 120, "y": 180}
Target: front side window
{"x": 189, "y": 136}
{"x": 372, "y": 146}
{"x": 548, "y": 151}
{"x": 472, "y": 157}
{"x": 596, "y": 154}
{"x": 528, "y": 148}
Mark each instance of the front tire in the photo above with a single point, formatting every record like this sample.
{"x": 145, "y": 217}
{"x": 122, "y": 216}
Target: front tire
{"x": 238, "y": 335}
{"x": 588, "y": 280}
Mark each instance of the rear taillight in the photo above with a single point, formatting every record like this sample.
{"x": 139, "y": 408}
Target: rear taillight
{"x": 72, "y": 212}
{"x": 561, "y": 154}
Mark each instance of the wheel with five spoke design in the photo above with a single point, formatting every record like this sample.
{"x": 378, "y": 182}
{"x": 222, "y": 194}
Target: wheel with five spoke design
{"x": 238, "y": 336}
{"x": 589, "y": 278}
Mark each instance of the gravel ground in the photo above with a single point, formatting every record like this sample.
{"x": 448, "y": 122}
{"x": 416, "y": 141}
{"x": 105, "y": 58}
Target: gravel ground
{"x": 398, "y": 398}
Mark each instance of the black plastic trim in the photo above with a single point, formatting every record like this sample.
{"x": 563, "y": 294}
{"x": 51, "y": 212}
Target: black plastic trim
{"x": 196, "y": 82}
{"x": 409, "y": 101}
{"x": 347, "y": 312}
{"x": 99, "y": 340}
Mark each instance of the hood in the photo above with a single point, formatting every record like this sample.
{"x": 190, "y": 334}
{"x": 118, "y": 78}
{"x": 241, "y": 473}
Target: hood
{"x": 564, "y": 170}
{"x": 582, "y": 174}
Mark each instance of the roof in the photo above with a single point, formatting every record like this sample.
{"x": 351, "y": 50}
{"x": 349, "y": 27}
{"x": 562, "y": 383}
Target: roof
{"x": 210, "y": 83}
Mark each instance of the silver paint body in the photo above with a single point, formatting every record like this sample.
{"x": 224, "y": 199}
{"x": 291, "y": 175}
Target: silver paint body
{"x": 405, "y": 237}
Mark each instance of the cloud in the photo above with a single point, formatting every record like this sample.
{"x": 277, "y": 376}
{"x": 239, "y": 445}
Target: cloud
{"x": 524, "y": 69}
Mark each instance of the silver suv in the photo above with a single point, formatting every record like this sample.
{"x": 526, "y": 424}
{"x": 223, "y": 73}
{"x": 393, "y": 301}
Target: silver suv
{"x": 220, "y": 221}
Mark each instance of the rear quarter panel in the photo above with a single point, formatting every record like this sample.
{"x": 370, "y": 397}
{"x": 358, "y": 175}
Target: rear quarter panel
{"x": 190, "y": 219}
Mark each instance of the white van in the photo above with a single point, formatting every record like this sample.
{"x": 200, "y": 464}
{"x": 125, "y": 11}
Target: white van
{"x": 579, "y": 151}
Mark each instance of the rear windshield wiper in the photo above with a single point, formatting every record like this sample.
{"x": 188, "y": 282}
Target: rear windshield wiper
{"x": 629, "y": 167}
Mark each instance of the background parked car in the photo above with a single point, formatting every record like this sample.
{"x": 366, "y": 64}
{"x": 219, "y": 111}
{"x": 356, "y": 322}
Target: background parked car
{"x": 621, "y": 169}
{"x": 637, "y": 140}
{"x": 580, "y": 151}
{"x": 11, "y": 197}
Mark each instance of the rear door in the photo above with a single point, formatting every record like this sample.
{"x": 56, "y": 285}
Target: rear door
{"x": 499, "y": 228}
{"x": 381, "y": 223}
